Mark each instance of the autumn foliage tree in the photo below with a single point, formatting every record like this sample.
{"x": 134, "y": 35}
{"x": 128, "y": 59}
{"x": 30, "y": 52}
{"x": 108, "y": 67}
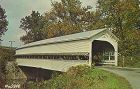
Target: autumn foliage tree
{"x": 123, "y": 17}
{"x": 67, "y": 17}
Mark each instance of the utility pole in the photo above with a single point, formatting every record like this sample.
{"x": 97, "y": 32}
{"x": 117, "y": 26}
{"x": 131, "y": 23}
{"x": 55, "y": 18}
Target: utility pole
{"x": 11, "y": 43}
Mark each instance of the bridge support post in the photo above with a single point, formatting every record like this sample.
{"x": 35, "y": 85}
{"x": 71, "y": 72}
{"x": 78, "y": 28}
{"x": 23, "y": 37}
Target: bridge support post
{"x": 90, "y": 55}
{"x": 116, "y": 54}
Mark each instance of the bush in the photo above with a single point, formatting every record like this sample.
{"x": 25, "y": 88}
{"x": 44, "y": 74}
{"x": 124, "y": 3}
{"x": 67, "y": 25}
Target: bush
{"x": 84, "y": 77}
{"x": 79, "y": 70}
{"x": 6, "y": 54}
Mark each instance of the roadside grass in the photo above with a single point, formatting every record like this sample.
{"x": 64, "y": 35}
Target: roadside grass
{"x": 83, "y": 77}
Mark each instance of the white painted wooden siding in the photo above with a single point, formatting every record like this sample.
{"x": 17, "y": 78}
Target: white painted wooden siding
{"x": 59, "y": 65}
{"x": 65, "y": 47}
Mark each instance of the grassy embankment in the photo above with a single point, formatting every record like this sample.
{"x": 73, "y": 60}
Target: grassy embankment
{"x": 83, "y": 77}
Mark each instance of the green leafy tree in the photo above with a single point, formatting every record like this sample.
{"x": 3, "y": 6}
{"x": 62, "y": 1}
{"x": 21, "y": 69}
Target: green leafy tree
{"x": 3, "y": 29}
{"x": 3, "y": 21}
{"x": 32, "y": 25}
{"x": 123, "y": 17}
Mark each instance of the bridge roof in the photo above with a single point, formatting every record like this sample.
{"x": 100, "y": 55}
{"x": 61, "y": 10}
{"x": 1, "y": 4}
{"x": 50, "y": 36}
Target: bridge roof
{"x": 71, "y": 37}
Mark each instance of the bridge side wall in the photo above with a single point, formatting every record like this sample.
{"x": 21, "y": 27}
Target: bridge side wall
{"x": 57, "y": 65}
{"x": 64, "y": 47}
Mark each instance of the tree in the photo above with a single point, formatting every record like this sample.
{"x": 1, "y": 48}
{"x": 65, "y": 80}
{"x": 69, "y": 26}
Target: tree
{"x": 3, "y": 29}
{"x": 3, "y": 21}
{"x": 67, "y": 17}
{"x": 123, "y": 17}
{"x": 32, "y": 25}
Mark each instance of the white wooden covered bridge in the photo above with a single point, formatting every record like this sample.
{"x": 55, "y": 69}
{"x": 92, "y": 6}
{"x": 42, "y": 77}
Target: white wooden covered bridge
{"x": 59, "y": 53}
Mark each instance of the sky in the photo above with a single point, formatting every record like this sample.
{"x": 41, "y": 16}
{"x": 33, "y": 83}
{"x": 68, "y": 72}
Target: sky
{"x": 17, "y": 9}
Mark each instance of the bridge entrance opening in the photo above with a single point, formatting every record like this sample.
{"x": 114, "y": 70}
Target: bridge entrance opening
{"x": 102, "y": 52}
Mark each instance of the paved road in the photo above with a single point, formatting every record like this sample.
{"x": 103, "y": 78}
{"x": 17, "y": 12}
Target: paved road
{"x": 132, "y": 75}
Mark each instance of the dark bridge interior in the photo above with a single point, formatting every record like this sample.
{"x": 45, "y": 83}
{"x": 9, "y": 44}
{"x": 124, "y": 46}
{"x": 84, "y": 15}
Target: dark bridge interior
{"x": 102, "y": 50}
{"x": 38, "y": 74}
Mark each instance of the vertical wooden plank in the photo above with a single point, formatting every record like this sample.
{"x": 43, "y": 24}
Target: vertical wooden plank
{"x": 90, "y": 54}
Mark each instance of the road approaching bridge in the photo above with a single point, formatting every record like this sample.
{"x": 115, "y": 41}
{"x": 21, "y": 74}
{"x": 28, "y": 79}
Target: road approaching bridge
{"x": 131, "y": 74}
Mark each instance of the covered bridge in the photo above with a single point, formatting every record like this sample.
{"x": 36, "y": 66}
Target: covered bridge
{"x": 59, "y": 53}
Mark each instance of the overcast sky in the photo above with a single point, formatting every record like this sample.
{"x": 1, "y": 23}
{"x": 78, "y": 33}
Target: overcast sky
{"x": 17, "y": 9}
